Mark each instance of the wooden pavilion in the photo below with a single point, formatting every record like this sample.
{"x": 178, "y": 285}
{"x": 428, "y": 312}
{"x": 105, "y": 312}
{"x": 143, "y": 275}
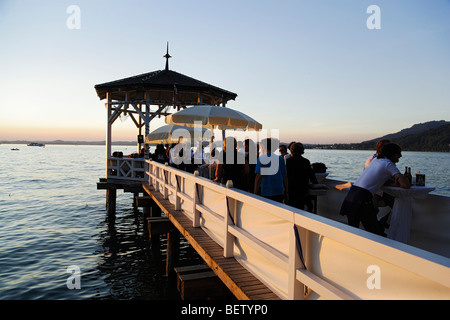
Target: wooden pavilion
{"x": 146, "y": 96}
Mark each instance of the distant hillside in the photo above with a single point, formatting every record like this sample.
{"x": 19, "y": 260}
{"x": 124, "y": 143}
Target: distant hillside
{"x": 415, "y": 129}
{"x": 428, "y": 136}
{"x": 436, "y": 139}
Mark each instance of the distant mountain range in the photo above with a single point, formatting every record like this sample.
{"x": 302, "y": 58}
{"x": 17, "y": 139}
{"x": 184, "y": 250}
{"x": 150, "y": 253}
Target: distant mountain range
{"x": 428, "y": 136}
{"x": 415, "y": 129}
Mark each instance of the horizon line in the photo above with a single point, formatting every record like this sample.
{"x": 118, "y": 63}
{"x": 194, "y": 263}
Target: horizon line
{"x": 129, "y": 142}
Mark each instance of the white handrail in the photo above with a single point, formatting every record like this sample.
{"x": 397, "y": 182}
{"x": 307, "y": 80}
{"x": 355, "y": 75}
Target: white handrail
{"x": 223, "y": 213}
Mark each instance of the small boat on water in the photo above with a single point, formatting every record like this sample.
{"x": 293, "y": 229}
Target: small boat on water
{"x": 36, "y": 144}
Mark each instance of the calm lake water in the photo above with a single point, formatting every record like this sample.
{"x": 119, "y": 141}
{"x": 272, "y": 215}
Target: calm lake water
{"x": 52, "y": 216}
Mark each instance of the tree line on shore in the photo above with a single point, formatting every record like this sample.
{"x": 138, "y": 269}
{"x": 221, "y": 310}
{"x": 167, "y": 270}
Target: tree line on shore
{"x": 432, "y": 140}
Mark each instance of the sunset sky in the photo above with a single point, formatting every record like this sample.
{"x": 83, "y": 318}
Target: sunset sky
{"x": 312, "y": 69}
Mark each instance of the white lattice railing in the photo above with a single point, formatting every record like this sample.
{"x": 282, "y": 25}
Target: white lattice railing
{"x": 132, "y": 169}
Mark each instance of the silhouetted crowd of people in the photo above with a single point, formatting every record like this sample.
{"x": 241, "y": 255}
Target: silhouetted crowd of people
{"x": 287, "y": 177}
{"x": 251, "y": 167}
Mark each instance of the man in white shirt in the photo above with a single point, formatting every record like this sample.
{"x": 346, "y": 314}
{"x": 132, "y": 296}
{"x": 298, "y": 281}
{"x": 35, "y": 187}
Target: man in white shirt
{"x": 380, "y": 145}
{"x": 380, "y": 198}
{"x": 358, "y": 205}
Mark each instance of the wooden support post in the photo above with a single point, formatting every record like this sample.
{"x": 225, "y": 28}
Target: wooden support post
{"x": 108, "y": 130}
{"x": 173, "y": 250}
{"x": 155, "y": 210}
{"x": 189, "y": 270}
{"x": 135, "y": 197}
{"x": 145, "y": 201}
{"x": 200, "y": 282}
{"x": 147, "y": 122}
{"x": 146, "y": 212}
{"x": 111, "y": 195}
{"x": 158, "y": 225}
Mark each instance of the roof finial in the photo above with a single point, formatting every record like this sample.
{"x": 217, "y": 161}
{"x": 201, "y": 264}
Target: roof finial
{"x": 167, "y": 56}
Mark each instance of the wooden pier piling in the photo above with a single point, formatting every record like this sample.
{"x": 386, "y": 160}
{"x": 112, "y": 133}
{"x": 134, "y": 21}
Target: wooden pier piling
{"x": 111, "y": 196}
{"x": 173, "y": 250}
{"x": 111, "y": 187}
{"x": 200, "y": 282}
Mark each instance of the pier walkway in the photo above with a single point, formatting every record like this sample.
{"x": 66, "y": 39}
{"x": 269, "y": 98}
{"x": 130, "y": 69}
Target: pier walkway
{"x": 238, "y": 280}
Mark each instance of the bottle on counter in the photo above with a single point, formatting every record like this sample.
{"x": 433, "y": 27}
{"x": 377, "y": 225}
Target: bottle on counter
{"x": 408, "y": 175}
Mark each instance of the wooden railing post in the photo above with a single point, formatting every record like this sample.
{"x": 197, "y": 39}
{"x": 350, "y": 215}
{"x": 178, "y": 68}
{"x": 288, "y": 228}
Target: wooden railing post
{"x": 146, "y": 169}
{"x": 109, "y": 123}
{"x": 148, "y": 172}
{"x": 177, "y": 192}
{"x": 165, "y": 189}
{"x": 158, "y": 169}
{"x": 230, "y": 208}
{"x": 195, "y": 200}
{"x": 295, "y": 288}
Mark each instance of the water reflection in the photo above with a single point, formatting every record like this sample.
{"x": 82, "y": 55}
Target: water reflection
{"x": 132, "y": 266}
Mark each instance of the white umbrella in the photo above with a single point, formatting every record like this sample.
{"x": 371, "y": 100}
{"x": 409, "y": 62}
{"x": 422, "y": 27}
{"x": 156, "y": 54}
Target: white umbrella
{"x": 213, "y": 117}
{"x": 171, "y": 133}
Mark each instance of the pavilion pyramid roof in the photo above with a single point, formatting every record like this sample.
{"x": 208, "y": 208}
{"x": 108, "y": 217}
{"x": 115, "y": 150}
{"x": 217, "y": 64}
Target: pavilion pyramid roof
{"x": 161, "y": 80}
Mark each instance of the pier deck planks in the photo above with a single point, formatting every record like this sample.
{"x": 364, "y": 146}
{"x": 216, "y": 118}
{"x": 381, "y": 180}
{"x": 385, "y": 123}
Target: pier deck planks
{"x": 239, "y": 281}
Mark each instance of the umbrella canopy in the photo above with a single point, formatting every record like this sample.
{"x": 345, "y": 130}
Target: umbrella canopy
{"x": 171, "y": 133}
{"x": 213, "y": 117}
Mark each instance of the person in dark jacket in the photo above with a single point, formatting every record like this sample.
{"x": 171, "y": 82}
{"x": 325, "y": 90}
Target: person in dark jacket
{"x": 232, "y": 165}
{"x": 299, "y": 175}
